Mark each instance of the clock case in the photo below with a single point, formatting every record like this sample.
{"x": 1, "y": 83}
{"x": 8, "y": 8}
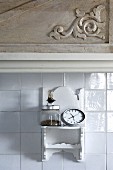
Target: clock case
{"x": 69, "y": 124}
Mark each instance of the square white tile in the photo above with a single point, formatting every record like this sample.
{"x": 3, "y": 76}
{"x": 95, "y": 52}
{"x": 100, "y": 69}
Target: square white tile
{"x": 9, "y": 143}
{"x": 95, "y": 143}
{"x": 109, "y": 142}
{"x": 95, "y": 80}
{"x": 51, "y": 80}
{"x": 95, "y": 121}
{"x": 9, "y": 100}
{"x": 109, "y": 100}
{"x": 31, "y": 80}
{"x": 10, "y": 81}
{"x": 70, "y": 163}
{"x": 30, "y": 122}
{"x": 9, "y": 162}
{"x": 95, "y": 100}
{"x": 31, "y": 162}
{"x": 110, "y": 121}
{"x": 54, "y": 163}
{"x": 95, "y": 162}
{"x": 30, "y": 100}
{"x": 109, "y": 80}
{"x": 31, "y": 143}
{"x": 74, "y": 80}
{"x": 110, "y": 162}
{"x": 9, "y": 122}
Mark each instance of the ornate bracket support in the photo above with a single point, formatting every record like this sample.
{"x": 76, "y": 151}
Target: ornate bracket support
{"x": 71, "y": 140}
{"x": 84, "y": 25}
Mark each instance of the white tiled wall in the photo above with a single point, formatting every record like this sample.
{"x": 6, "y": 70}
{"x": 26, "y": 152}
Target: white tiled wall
{"x": 20, "y": 132}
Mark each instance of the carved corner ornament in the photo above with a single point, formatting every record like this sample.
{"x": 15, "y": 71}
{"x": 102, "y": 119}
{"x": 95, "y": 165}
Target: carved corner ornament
{"x": 84, "y": 25}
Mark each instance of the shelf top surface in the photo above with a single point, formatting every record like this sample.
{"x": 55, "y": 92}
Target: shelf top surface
{"x": 60, "y": 127}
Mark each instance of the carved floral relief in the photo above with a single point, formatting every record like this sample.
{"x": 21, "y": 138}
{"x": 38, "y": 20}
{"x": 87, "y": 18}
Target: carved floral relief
{"x": 85, "y": 24}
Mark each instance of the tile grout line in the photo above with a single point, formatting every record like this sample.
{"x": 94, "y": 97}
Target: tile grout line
{"x": 64, "y": 79}
{"x": 106, "y": 122}
{"x": 84, "y": 77}
{"x": 41, "y": 151}
{"x": 42, "y": 83}
{"x": 20, "y": 123}
{"x": 9, "y": 154}
{"x": 20, "y": 116}
{"x": 63, "y": 161}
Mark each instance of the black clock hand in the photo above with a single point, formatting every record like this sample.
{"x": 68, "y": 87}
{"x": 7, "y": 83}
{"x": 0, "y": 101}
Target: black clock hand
{"x": 75, "y": 114}
{"x": 71, "y": 117}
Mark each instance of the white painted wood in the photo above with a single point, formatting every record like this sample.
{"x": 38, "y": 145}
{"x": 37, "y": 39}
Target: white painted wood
{"x": 57, "y": 139}
{"x": 50, "y": 62}
{"x": 63, "y": 146}
{"x": 64, "y": 97}
{"x": 55, "y": 56}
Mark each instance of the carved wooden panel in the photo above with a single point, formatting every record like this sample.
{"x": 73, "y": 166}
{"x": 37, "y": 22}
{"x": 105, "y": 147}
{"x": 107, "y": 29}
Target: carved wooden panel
{"x": 43, "y": 22}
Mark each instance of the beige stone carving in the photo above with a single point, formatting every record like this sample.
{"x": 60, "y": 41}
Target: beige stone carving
{"x": 85, "y": 24}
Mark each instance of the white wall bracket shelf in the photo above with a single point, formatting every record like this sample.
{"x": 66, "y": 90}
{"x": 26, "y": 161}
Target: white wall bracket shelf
{"x": 58, "y": 139}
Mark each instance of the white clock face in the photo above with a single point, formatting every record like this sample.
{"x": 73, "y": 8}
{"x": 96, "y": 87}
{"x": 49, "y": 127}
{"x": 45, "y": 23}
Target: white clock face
{"x": 72, "y": 116}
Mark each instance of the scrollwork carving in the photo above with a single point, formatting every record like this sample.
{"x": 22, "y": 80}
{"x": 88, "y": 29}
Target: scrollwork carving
{"x": 84, "y": 25}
